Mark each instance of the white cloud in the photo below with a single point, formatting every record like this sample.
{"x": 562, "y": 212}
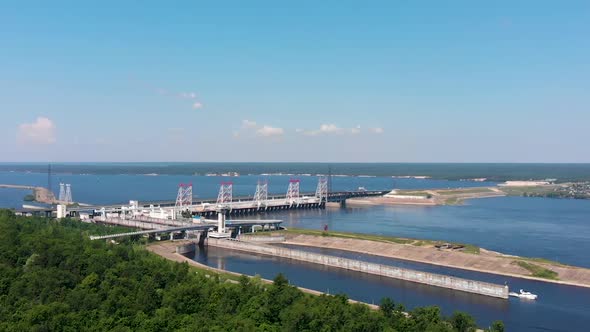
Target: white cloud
{"x": 42, "y": 131}
{"x": 187, "y": 95}
{"x": 329, "y": 129}
{"x": 249, "y": 128}
{"x": 269, "y": 131}
{"x": 376, "y": 130}
{"x": 248, "y": 124}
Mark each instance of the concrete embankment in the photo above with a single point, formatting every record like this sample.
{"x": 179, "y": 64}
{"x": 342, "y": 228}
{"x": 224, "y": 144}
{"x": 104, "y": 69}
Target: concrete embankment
{"x": 432, "y": 279}
{"x": 262, "y": 238}
{"x": 185, "y": 248}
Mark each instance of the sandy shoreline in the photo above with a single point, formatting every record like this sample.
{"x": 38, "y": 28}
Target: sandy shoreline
{"x": 485, "y": 262}
{"x": 428, "y": 197}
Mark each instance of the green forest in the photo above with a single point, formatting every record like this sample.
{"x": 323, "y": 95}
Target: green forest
{"x": 53, "y": 278}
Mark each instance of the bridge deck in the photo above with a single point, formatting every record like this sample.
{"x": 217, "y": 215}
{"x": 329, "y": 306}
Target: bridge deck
{"x": 186, "y": 227}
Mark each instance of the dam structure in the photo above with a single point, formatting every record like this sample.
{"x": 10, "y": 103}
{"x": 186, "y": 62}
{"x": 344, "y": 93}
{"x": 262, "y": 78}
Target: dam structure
{"x": 185, "y": 218}
{"x": 260, "y": 202}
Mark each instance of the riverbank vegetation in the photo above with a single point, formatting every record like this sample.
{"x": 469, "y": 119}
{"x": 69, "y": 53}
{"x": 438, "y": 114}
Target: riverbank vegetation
{"x": 467, "y": 248}
{"x": 347, "y": 235}
{"x": 576, "y": 190}
{"x": 53, "y": 278}
{"x": 465, "y": 191}
{"x": 538, "y": 271}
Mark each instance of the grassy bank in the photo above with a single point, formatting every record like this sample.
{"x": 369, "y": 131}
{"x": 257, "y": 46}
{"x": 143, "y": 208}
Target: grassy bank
{"x": 527, "y": 190}
{"x": 537, "y": 271}
{"x": 413, "y": 193}
{"x": 464, "y": 191}
{"x": 453, "y": 201}
{"x": 468, "y": 248}
{"x": 370, "y": 237}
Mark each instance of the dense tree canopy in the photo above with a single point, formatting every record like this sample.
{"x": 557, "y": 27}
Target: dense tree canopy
{"x": 52, "y": 278}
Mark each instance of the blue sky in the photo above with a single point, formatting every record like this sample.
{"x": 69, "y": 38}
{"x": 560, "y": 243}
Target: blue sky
{"x": 399, "y": 81}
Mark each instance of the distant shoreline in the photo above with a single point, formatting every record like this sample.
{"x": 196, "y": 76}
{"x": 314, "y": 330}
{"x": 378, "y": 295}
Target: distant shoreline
{"x": 491, "y": 172}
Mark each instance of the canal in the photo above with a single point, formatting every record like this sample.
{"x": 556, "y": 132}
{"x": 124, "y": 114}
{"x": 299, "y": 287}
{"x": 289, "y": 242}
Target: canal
{"x": 559, "y": 307}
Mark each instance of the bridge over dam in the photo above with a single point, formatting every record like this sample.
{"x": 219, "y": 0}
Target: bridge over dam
{"x": 214, "y": 228}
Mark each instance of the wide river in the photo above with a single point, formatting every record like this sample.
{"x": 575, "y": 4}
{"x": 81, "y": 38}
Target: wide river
{"x": 556, "y": 229}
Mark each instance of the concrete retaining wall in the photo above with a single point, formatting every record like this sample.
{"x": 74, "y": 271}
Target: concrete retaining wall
{"x": 186, "y": 248}
{"x": 262, "y": 238}
{"x": 432, "y": 279}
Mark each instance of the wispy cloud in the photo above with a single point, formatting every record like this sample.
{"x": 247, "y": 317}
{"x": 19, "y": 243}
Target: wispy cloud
{"x": 191, "y": 97}
{"x": 268, "y": 131}
{"x": 187, "y": 95}
{"x": 329, "y": 129}
{"x": 42, "y": 132}
{"x": 376, "y": 130}
{"x": 248, "y": 124}
{"x": 249, "y": 128}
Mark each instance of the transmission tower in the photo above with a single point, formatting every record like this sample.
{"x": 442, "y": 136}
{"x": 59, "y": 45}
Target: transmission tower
{"x": 65, "y": 193}
{"x": 185, "y": 195}
{"x": 49, "y": 177}
{"x": 68, "y": 198}
{"x": 321, "y": 191}
{"x": 329, "y": 179}
{"x": 293, "y": 191}
{"x": 261, "y": 194}
{"x": 62, "y": 192}
{"x": 225, "y": 193}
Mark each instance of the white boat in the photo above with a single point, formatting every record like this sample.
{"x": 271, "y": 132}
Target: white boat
{"x": 524, "y": 295}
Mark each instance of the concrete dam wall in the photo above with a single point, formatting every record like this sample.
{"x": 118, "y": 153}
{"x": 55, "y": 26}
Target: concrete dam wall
{"x": 432, "y": 279}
